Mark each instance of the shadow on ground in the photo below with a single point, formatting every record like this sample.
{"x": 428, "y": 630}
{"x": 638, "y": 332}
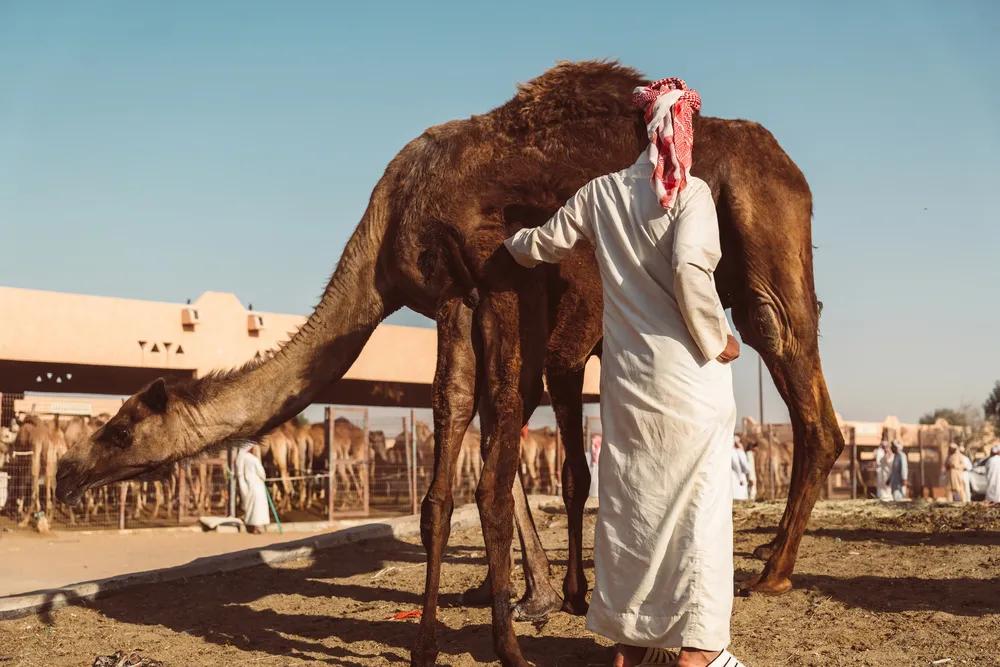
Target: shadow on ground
{"x": 259, "y": 610}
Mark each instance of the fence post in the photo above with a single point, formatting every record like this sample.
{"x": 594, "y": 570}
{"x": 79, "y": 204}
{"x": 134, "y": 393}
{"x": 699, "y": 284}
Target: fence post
{"x": 560, "y": 457}
{"x": 854, "y": 465}
{"x": 331, "y": 484}
{"x": 182, "y": 492}
{"x": 232, "y": 481}
{"x": 122, "y": 495}
{"x": 413, "y": 461}
{"x": 366, "y": 470}
{"x": 920, "y": 449}
{"x": 771, "y": 463}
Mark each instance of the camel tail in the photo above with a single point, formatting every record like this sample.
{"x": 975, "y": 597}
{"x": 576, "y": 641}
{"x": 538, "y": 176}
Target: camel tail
{"x": 459, "y": 262}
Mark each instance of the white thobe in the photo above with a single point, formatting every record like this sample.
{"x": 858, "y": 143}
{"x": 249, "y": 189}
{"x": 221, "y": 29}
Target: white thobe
{"x": 663, "y": 555}
{"x": 740, "y": 476}
{"x": 968, "y": 476}
{"x": 993, "y": 479}
{"x": 250, "y": 478}
{"x": 883, "y": 469}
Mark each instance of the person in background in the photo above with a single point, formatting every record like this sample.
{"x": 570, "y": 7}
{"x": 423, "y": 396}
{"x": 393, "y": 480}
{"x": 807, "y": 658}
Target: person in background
{"x": 740, "y": 471}
{"x": 595, "y": 456}
{"x": 250, "y": 479}
{"x": 955, "y": 465}
{"x": 883, "y": 469}
{"x": 899, "y": 478}
{"x": 993, "y": 475}
{"x": 968, "y": 472}
{"x": 752, "y": 470}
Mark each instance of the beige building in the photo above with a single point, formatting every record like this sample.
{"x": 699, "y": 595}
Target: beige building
{"x": 63, "y": 343}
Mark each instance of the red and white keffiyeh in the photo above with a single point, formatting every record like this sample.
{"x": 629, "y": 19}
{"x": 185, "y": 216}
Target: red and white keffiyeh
{"x": 668, "y": 106}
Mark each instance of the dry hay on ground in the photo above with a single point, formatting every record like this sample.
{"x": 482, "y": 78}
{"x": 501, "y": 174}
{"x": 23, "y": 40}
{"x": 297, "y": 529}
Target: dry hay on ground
{"x": 876, "y": 585}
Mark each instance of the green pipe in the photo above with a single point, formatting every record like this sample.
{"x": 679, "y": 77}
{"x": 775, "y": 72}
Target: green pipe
{"x": 274, "y": 510}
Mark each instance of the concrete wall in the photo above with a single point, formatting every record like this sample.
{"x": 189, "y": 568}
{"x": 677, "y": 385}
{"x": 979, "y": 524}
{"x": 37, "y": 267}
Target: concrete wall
{"x": 43, "y": 326}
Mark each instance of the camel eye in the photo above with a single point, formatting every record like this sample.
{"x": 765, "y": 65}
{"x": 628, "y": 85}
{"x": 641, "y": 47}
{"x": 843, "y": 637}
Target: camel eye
{"x": 117, "y": 435}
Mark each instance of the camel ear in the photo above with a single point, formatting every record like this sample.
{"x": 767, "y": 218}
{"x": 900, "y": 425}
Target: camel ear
{"x": 155, "y": 397}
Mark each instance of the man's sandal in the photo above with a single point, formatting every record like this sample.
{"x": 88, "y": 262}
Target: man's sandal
{"x": 726, "y": 659}
{"x": 657, "y": 656}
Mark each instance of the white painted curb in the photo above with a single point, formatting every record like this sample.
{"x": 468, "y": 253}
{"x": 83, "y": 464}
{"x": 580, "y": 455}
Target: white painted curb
{"x": 23, "y": 604}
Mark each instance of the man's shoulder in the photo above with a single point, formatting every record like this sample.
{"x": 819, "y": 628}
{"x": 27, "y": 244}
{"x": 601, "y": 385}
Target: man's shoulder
{"x": 696, "y": 184}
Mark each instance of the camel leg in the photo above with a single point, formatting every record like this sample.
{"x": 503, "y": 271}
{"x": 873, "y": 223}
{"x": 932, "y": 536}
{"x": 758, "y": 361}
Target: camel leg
{"x": 531, "y": 463}
{"x": 454, "y": 400}
{"x": 512, "y": 374}
{"x": 566, "y": 390}
{"x": 550, "y": 463}
{"x": 790, "y": 348}
{"x": 540, "y": 598}
{"x": 157, "y": 499}
{"x": 459, "y": 470}
{"x": 36, "y": 472}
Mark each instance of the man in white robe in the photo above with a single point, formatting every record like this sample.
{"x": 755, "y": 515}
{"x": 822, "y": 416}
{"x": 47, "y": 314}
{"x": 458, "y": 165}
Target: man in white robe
{"x": 752, "y": 472}
{"x": 740, "y": 467}
{"x": 663, "y": 551}
{"x": 993, "y": 476}
{"x": 250, "y": 478}
{"x": 968, "y": 471}
{"x": 883, "y": 469}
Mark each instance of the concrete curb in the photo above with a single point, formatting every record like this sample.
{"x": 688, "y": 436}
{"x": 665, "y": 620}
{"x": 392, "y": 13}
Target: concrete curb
{"x": 23, "y": 604}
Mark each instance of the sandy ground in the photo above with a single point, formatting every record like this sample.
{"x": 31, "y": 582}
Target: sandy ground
{"x": 875, "y": 585}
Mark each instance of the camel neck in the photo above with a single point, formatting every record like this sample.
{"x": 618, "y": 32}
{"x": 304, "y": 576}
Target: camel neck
{"x": 252, "y": 401}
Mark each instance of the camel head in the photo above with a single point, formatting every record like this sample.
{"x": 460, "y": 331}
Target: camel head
{"x": 377, "y": 441}
{"x": 148, "y": 432}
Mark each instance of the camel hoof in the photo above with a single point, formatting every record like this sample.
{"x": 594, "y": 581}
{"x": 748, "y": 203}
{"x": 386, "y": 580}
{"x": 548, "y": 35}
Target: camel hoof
{"x": 764, "y": 551}
{"x": 576, "y": 605}
{"x": 761, "y": 585}
{"x": 536, "y": 608}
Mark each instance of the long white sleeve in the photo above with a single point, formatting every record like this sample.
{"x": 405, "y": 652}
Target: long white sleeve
{"x": 555, "y": 239}
{"x": 696, "y": 253}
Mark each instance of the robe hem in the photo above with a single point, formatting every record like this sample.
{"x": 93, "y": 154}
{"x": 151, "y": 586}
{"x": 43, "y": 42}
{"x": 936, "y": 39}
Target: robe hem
{"x": 615, "y": 626}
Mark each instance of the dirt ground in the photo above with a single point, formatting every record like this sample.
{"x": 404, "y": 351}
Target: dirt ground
{"x": 875, "y": 585}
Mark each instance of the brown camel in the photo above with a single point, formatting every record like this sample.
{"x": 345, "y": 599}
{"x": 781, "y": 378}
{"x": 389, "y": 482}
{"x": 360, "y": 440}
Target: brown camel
{"x": 469, "y": 464}
{"x": 435, "y": 220}
{"x": 274, "y": 453}
{"x": 349, "y": 451}
{"x": 34, "y": 453}
{"x": 538, "y": 447}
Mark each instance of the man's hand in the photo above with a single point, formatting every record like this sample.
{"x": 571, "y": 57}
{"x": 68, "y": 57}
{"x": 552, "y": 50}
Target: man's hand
{"x": 731, "y": 352}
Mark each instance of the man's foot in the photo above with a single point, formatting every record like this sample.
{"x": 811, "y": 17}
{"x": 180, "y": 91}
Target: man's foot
{"x": 634, "y": 656}
{"x": 693, "y": 657}
{"x": 637, "y": 656}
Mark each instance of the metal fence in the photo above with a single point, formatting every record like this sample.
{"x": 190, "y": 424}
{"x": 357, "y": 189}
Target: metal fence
{"x": 355, "y": 462}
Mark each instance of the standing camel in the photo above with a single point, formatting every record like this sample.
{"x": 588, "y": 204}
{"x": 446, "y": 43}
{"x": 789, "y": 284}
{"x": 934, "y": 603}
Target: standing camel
{"x": 469, "y": 464}
{"x": 274, "y": 453}
{"x": 435, "y": 220}
{"x": 36, "y": 450}
{"x": 349, "y": 450}
{"x": 539, "y": 446}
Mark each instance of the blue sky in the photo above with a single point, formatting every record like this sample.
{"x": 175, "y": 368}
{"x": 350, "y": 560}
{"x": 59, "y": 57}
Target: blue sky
{"x": 159, "y": 150}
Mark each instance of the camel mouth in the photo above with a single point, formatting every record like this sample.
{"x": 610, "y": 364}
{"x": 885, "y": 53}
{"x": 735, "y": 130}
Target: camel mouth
{"x": 69, "y": 487}
{"x": 72, "y": 484}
